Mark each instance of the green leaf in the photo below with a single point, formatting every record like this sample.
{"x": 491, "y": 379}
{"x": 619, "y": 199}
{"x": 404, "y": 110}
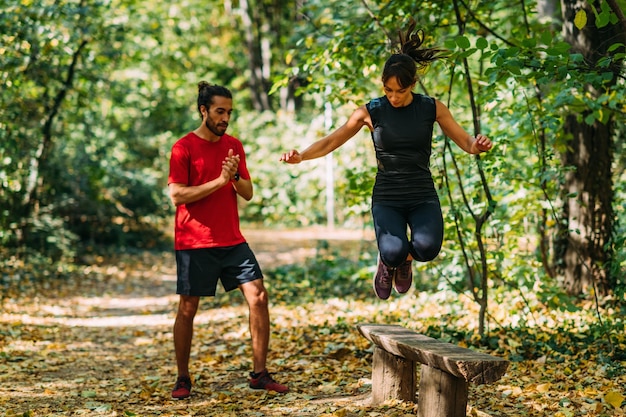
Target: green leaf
{"x": 450, "y": 44}
{"x": 530, "y": 42}
{"x": 481, "y": 43}
{"x": 603, "y": 19}
{"x": 514, "y": 68}
{"x": 560, "y": 48}
{"x": 462, "y": 42}
{"x": 468, "y": 53}
{"x": 546, "y": 37}
{"x": 512, "y": 52}
{"x": 607, "y": 76}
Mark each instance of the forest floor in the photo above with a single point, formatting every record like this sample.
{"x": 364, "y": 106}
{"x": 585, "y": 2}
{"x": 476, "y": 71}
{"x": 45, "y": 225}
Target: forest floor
{"x": 101, "y": 345}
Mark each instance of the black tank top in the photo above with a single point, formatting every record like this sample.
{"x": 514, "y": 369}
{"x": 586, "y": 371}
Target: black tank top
{"x": 402, "y": 139}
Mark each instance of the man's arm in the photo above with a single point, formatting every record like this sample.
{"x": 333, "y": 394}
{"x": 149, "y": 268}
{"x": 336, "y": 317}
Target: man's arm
{"x": 185, "y": 194}
{"x": 244, "y": 188}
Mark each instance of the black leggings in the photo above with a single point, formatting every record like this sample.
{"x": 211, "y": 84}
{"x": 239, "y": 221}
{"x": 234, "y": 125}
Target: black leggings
{"x": 425, "y": 222}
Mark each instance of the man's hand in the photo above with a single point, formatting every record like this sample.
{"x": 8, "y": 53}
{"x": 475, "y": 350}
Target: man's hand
{"x": 230, "y": 166}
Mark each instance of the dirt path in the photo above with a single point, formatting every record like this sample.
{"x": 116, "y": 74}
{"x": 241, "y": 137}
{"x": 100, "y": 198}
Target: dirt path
{"x": 101, "y": 345}
{"x": 290, "y": 246}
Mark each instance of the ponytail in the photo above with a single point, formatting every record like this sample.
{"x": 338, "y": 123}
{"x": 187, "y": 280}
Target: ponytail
{"x": 411, "y": 56}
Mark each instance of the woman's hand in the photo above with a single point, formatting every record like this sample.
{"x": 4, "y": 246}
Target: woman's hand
{"x": 291, "y": 157}
{"x": 482, "y": 143}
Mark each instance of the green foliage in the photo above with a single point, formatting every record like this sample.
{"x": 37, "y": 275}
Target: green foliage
{"x": 525, "y": 80}
{"x": 287, "y": 195}
{"x": 283, "y": 196}
{"x": 84, "y": 159}
{"x": 100, "y": 168}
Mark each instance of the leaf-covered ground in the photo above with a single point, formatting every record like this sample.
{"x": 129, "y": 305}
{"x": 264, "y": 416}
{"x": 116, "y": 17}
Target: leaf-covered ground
{"x": 101, "y": 343}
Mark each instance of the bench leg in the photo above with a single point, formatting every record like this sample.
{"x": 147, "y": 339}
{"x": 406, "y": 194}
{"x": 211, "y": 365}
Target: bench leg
{"x": 393, "y": 377}
{"x": 441, "y": 394}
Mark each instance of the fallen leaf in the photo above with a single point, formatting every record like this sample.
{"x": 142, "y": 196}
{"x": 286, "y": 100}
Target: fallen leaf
{"x": 544, "y": 387}
{"x": 88, "y": 394}
{"x": 614, "y": 398}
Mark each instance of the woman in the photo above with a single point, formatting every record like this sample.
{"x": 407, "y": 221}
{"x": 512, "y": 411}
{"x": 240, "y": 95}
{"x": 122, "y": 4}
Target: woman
{"x": 401, "y": 124}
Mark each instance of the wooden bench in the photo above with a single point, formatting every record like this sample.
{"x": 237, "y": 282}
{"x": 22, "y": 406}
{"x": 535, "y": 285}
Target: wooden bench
{"x": 446, "y": 370}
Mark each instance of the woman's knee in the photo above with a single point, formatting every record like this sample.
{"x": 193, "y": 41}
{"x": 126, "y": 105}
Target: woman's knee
{"x": 393, "y": 251}
{"x": 426, "y": 251}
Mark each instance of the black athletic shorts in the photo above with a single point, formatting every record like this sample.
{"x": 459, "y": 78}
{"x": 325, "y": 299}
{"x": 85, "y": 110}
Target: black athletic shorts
{"x": 198, "y": 270}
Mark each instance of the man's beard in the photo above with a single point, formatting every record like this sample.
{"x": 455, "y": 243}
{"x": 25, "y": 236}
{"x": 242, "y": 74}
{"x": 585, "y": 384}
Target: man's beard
{"x": 219, "y": 131}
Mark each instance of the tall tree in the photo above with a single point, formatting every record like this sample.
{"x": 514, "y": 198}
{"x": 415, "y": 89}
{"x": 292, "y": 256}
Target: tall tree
{"x": 263, "y": 27}
{"x": 584, "y": 241}
{"x": 46, "y": 45}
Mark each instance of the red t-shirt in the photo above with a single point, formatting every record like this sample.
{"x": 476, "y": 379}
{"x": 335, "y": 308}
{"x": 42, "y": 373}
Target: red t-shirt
{"x": 214, "y": 220}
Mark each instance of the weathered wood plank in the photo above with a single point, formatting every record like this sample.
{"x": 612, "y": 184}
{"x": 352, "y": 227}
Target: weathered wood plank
{"x": 471, "y": 366}
{"x": 441, "y": 394}
{"x": 392, "y": 377}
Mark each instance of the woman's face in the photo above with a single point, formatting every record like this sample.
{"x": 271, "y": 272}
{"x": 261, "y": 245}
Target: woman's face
{"x": 398, "y": 96}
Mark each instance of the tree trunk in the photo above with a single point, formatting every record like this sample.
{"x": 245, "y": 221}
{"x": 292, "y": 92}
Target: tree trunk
{"x": 587, "y": 209}
{"x": 39, "y": 164}
{"x": 264, "y": 26}
{"x": 256, "y": 31}
{"x": 585, "y": 232}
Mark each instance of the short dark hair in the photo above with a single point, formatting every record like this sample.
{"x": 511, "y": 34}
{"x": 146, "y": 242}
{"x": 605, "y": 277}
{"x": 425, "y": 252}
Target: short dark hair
{"x": 207, "y": 91}
{"x": 404, "y": 64}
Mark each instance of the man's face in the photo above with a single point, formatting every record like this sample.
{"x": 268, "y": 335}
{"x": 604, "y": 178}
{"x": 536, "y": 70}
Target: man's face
{"x": 217, "y": 116}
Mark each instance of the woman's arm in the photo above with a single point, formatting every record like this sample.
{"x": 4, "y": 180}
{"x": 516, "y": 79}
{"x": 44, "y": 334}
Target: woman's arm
{"x": 359, "y": 118}
{"x": 454, "y": 131}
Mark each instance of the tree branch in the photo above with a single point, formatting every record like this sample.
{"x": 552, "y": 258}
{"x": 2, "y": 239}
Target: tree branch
{"x": 618, "y": 11}
{"x": 46, "y": 144}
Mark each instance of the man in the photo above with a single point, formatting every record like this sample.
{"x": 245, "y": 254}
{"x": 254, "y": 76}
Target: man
{"x": 207, "y": 172}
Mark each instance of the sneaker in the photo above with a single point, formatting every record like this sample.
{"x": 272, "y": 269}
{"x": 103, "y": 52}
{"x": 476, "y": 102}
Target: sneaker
{"x": 182, "y": 389}
{"x": 404, "y": 277}
{"x": 383, "y": 280}
{"x": 264, "y": 380}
